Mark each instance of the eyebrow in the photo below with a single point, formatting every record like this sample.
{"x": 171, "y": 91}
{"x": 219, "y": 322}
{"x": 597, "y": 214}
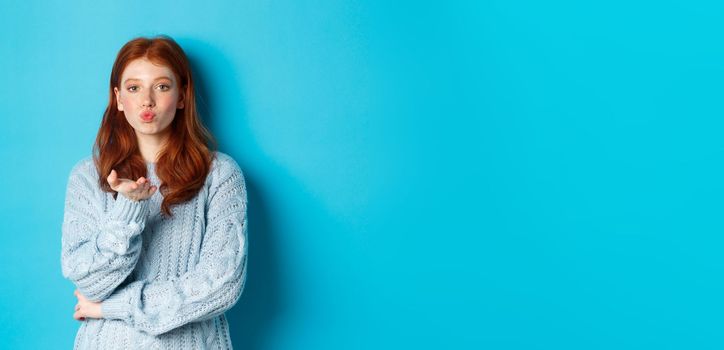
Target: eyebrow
{"x": 159, "y": 78}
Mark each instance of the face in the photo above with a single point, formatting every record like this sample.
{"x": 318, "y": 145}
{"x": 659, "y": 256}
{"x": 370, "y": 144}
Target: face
{"x": 149, "y": 96}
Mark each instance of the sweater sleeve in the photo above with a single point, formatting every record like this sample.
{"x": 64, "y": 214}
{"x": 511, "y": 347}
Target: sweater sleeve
{"x": 210, "y": 287}
{"x": 99, "y": 249}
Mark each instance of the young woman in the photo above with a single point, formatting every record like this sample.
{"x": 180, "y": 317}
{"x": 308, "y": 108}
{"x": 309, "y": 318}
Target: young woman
{"x": 155, "y": 227}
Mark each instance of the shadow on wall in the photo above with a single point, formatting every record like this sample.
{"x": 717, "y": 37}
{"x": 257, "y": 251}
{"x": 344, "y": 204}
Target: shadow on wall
{"x": 260, "y": 303}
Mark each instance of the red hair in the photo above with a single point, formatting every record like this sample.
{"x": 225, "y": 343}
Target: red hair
{"x": 185, "y": 159}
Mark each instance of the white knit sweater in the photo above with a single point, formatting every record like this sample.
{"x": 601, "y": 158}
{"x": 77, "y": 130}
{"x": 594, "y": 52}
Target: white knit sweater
{"x": 164, "y": 283}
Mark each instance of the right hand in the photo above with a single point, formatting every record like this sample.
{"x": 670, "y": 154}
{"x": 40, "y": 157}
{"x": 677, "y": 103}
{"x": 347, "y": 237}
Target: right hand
{"x": 134, "y": 190}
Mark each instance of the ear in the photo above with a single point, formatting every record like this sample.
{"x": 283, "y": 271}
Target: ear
{"x": 118, "y": 99}
{"x": 180, "y": 103}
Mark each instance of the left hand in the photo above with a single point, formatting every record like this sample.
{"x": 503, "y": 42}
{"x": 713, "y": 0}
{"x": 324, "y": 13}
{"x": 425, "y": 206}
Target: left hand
{"x": 86, "y": 308}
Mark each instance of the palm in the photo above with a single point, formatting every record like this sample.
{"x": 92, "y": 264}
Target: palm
{"x": 135, "y": 190}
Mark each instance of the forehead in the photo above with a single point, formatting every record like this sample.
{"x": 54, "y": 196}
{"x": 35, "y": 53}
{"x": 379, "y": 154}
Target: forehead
{"x": 143, "y": 69}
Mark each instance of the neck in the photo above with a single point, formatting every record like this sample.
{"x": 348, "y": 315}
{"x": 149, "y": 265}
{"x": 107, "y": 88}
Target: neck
{"x": 150, "y": 146}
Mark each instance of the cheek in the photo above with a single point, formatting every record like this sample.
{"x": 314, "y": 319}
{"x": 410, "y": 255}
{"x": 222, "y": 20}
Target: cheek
{"x": 126, "y": 102}
{"x": 168, "y": 100}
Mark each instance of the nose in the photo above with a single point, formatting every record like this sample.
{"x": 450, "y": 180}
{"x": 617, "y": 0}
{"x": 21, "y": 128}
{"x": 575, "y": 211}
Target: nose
{"x": 148, "y": 100}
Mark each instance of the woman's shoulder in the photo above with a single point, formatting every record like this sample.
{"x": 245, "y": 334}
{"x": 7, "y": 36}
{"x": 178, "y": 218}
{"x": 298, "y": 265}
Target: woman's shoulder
{"x": 224, "y": 171}
{"x": 83, "y": 176}
{"x": 223, "y": 163}
{"x": 84, "y": 167}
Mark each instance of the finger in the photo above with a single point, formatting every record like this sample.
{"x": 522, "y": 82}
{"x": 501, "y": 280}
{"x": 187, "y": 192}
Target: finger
{"x": 141, "y": 180}
{"x": 113, "y": 178}
{"x": 148, "y": 192}
{"x": 75, "y": 292}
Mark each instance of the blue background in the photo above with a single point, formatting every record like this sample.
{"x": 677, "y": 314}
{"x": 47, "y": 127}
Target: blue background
{"x": 460, "y": 174}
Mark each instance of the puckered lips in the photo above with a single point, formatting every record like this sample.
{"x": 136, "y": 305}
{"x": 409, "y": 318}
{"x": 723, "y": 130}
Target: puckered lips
{"x": 147, "y": 116}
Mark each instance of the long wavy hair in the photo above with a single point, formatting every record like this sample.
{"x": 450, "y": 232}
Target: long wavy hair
{"x": 185, "y": 160}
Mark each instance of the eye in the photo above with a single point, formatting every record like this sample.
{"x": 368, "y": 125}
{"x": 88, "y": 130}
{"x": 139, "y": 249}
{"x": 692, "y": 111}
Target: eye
{"x": 164, "y": 87}
{"x": 132, "y": 88}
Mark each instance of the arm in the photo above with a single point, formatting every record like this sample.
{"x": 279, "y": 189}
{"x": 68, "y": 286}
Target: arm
{"x": 99, "y": 250}
{"x": 208, "y": 289}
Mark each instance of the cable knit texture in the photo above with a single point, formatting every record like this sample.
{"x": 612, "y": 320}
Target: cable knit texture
{"x": 163, "y": 283}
